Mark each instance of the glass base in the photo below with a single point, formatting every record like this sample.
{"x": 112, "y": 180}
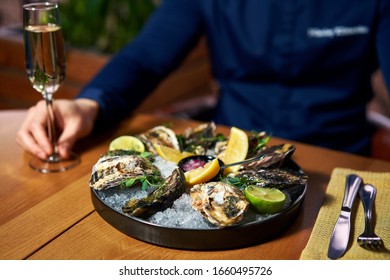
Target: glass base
{"x": 54, "y": 163}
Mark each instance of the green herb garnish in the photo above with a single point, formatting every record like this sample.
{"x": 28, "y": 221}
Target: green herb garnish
{"x": 257, "y": 140}
{"x": 145, "y": 181}
{"x": 240, "y": 183}
{"x": 199, "y": 140}
{"x": 40, "y": 77}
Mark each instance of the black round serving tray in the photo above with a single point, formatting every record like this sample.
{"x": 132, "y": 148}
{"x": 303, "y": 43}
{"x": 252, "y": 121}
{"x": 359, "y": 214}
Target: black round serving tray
{"x": 204, "y": 239}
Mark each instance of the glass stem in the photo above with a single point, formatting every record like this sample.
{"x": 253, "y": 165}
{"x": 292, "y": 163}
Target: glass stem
{"x": 54, "y": 157}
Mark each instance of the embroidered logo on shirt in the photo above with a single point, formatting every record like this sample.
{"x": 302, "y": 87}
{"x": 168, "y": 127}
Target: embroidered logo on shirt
{"x": 337, "y": 31}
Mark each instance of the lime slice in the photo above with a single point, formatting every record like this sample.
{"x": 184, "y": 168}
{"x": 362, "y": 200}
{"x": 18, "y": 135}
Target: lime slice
{"x": 265, "y": 200}
{"x": 127, "y": 142}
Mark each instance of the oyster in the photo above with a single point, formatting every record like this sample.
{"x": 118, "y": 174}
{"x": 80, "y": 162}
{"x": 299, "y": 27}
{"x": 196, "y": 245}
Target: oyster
{"x": 201, "y": 139}
{"x": 114, "y": 167}
{"x": 160, "y": 135}
{"x": 270, "y": 177}
{"x": 160, "y": 199}
{"x": 221, "y": 203}
{"x": 271, "y": 156}
{"x": 220, "y": 148}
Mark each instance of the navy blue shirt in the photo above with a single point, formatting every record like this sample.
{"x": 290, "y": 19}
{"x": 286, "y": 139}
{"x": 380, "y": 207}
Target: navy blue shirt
{"x": 298, "y": 69}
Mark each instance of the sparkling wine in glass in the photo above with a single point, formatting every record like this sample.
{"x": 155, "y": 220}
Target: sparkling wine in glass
{"x": 45, "y": 65}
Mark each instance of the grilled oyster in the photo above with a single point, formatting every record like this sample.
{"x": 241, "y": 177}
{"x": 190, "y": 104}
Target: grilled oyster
{"x": 222, "y": 204}
{"x": 160, "y": 135}
{"x": 114, "y": 167}
{"x": 160, "y": 199}
{"x": 270, "y": 177}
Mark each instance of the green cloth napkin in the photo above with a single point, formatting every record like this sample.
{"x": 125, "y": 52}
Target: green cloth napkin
{"x": 317, "y": 247}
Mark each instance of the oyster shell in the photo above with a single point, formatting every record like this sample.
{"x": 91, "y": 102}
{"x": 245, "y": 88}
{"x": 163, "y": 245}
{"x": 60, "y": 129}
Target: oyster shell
{"x": 112, "y": 168}
{"x": 222, "y": 204}
{"x": 272, "y": 155}
{"x": 200, "y": 139}
{"x": 160, "y": 135}
{"x": 160, "y": 199}
{"x": 271, "y": 177}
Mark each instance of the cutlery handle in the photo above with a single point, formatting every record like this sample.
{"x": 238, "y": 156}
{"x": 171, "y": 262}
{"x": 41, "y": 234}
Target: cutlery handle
{"x": 353, "y": 183}
{"x": 367, "y": 194}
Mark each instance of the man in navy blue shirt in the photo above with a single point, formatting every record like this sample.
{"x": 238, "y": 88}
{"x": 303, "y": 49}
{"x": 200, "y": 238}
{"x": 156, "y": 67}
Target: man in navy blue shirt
{"x": 299, "y": 69}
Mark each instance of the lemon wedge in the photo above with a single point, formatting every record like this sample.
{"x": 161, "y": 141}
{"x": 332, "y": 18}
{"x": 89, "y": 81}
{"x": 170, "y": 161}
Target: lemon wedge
{"x": 265, "y": 200}
{"x": 236, "y": 150}
{"x": 127, "y": 142}
{"x": 202, "y": 174}
{"x": 171, "y": 154}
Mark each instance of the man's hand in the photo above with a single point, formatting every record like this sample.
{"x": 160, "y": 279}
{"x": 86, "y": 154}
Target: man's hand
{"x": 74, "y": 119}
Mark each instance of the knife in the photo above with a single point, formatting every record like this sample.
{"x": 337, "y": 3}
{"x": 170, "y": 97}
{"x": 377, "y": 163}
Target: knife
{"x": 340, "y": 236}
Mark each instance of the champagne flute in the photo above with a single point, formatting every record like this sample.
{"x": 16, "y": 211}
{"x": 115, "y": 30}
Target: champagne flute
{"x": 45, "y": 65}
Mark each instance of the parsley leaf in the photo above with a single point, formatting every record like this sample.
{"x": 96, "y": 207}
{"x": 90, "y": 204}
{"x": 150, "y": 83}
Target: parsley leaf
{"x": 145, "y": 181}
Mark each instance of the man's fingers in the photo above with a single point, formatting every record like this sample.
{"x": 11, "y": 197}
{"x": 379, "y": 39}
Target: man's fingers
{"x": 32, "y": 133}
{"x": 68, "y": 138}
{"x": 27, "y": 142}
{"x": 39, "y": 133}
{"x": 74, "y": 119}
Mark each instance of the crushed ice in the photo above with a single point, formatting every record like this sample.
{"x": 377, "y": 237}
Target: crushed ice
{"x": 181, "y": 215}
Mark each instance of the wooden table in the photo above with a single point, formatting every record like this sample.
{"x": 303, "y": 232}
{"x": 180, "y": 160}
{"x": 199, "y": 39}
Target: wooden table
{"x": 51, "y": 216}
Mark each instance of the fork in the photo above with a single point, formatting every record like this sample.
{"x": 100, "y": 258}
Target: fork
{"x": 368, "y": 239}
